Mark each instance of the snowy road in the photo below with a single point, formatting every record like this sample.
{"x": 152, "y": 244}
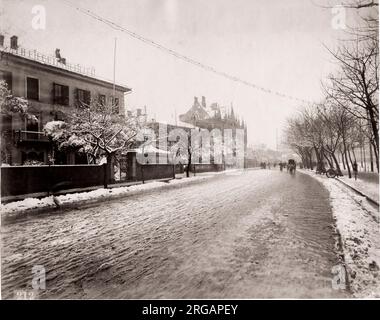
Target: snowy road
{"x": 261, "y": 234}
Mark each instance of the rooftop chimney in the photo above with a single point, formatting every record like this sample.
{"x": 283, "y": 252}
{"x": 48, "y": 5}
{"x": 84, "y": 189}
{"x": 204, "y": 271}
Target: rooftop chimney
{"x": 14, "y": 44}
{"x": 1, "y": 40}
{"x": 196, "y": 101}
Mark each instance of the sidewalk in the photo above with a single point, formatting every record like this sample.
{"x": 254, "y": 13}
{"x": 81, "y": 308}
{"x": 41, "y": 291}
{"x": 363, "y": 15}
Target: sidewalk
{"x": 357, "y": 223}
{"x": 84, "y": 196}
{"x": 367, "y": 183}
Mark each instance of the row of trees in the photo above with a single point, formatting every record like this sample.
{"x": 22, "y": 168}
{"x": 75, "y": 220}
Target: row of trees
{"x": 344, "y": 126}
{"x": 328, "y": 133}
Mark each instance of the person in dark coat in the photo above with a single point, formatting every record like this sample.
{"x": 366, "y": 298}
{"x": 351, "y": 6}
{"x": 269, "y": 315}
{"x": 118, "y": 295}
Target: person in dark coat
{"x": 355, "y": 169}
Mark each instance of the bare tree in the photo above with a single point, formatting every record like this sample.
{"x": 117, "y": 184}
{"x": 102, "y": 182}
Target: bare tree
{"x": 322, "y": 131}
{"x": 186, "y": 148}
{"x": 355, "y": 87}
{"x": 299, "y": 139}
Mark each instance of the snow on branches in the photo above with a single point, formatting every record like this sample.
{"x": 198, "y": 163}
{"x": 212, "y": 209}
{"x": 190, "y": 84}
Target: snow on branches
{"x": 11, "y": 105}
{"x": 94, "y": 129}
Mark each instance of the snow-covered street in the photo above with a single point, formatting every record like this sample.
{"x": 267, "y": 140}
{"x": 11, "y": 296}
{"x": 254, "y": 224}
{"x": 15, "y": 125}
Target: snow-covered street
{"x": 259, "y": 234}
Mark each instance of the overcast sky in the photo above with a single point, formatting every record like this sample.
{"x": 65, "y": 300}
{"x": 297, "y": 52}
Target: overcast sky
{"x": 275, "y": 44}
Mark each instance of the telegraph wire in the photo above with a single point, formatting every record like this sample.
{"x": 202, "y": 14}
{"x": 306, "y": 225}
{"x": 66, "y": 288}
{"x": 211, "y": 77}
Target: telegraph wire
{"x": 180, "y": 56}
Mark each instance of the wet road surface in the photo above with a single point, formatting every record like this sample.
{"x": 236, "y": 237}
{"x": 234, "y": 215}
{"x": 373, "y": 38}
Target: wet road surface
{"x": 259, "y": 234}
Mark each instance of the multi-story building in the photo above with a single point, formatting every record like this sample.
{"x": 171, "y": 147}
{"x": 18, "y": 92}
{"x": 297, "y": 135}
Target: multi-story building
{"x": 216, "y": 117}
{"x": 53, "y": 88}
{"x": 211, "y": 116}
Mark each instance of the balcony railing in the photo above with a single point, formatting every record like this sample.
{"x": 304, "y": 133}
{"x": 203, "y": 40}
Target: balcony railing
{"x": 49, "y": 59}
{"x": 24, "y": 135}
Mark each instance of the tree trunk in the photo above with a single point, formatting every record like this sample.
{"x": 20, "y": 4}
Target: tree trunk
{"x": 319, "y": 159}
{"x": 344, "y": 165}
{"x": 353, "y": 153}
{"x": 374, "y": 126}
{"x": 349, "y": 156}
{"x": 188, "y": 166}
{"x": 309, "y": 159}
{"x": 376, "y": 156}
{"x": 345, "y": 153}
{"x": 338, "y": 170}
{"x": 370, "y": 155}
{"x": 328, "y": 160}
{"x": 361, "y": 155}
{"x": 311, "y": 162}
{"x": 348, "y": 166}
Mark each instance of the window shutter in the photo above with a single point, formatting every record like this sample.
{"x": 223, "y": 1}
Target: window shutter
{"x": 65, "y": 94}
{"x": 76, "y": 95}
{"x": 87, "y": 95}
{"x": 54, "y": 95}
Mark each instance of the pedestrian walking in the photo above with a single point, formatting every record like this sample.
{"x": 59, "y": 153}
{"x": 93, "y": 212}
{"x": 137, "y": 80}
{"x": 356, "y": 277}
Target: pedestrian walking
{"x": 355, "y": 169}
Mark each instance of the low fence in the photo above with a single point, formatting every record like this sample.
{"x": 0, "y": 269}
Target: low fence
{"x": 206, "y": 167}
{"x": 19, "y": 180}
{"x": 24, "y": 180}
{"x": 152, "y": 171}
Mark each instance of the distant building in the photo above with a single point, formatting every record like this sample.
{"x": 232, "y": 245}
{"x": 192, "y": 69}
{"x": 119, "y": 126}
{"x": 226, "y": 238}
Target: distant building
{"x": 200, "y": 116}
{"x": 53, "y": 88}
{"x": 214, "y": 117}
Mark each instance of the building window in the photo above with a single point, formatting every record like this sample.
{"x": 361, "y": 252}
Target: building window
{"x": 32, "y": 88}
{"x": 115, "y": 105}
{"x": 102, "y": 99}
{"x": 83, "y": 96}
{"x": 115, "y": 101}
{"x": 61, "y": 94}
{"x": 14, "y": 44}
{"x": 7, "y": 77}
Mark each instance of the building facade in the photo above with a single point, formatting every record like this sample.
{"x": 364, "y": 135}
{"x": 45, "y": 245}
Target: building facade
{"x": 214, "y": 116}
{"x": 201, "y": 118}
{"x": 53, "y": 89}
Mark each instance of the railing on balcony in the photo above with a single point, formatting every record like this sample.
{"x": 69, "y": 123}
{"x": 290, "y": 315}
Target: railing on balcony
{"x": 49, "y": 59}
{"x": 24, "y": 135}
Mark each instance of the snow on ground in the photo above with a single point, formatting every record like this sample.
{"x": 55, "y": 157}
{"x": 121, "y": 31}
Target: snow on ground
{"x": 358, "y": 224}
{"x": 17, "y": 207}
{"x": 370, "y": 189}
{"x": 262, "y": 234}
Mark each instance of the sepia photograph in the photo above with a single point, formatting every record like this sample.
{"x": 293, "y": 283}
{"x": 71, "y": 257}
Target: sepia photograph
{"x": 212, "y": 150}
